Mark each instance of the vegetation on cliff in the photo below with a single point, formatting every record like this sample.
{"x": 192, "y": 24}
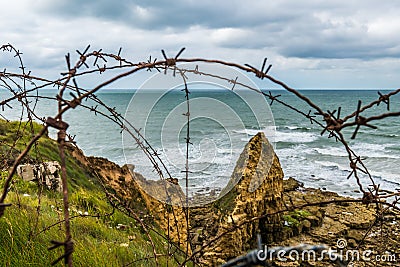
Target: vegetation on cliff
{"x": 103, "y": 235}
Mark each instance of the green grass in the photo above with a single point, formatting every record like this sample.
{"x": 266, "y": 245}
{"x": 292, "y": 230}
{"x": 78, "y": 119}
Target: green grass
{"x": 25, "y": 231}
{"x": 98, "y": 241}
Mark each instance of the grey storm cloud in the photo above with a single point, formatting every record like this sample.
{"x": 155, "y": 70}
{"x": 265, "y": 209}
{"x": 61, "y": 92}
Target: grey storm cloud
{"x": 163, "y": 14}
{"x": 296, "y": 36}
{"x": 304, "y": 29}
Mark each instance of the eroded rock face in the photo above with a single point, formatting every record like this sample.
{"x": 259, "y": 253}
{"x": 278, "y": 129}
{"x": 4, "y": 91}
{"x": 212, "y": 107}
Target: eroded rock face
{"x": 353, "y": 223}
{"x": 171, "y": 218}
{"x": 131, "y": 188}
{"x": 258, "y": 191}
{"x": 210, "y": 234}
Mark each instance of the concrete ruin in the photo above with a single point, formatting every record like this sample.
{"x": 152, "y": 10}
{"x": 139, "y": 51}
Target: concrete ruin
{"x": 46, "y": 173}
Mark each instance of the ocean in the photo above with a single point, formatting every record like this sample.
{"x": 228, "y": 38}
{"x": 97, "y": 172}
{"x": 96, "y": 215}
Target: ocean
{"x": 222, "y": 122}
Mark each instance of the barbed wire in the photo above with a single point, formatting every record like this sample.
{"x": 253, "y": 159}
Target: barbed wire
{"x": 98, "y": 62}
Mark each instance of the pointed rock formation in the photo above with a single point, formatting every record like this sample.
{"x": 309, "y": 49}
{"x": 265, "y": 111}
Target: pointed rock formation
{"x": 258, "y": 191}
{"x": 255, "y": 189}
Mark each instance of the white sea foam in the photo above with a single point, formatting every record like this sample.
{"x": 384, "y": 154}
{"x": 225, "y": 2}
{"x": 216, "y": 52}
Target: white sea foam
{"x": 281, "y": 136}
{"x": 297, "y": 128}
{"x": 295, "y": 137}
{"x": 331, "y": 151}
{"x": 363, "y": 149}
{"x": 267, "y": 130}
{"x": 333, "y": 165}
{"x": 387, "y": 177}
{"x": 369, "y": 150}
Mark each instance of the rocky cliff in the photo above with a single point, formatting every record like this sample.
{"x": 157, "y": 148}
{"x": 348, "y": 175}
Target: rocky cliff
{"x": 345, "y": 225}
{"x": 258, "y": 177}
{"x": 257, "y": 188}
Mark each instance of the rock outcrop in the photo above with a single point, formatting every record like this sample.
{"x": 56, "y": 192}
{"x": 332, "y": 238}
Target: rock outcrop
{"x": 255, "y": 189}
{"x": 258, "y": 191}
{"x": 131, "y": 188}
{"x": 352, "y": 225}
{"x": 226, "y": 228}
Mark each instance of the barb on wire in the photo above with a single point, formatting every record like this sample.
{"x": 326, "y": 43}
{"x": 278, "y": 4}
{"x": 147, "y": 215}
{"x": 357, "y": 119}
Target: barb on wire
{"x": 272, "y": 97}
{"x": 83, "y": 57}
{"x": 171, "y": 62}
{"x": 360, "y": 121}
{"x": 153, "y": 62}
{"x": 385, "y": 99}
{"x": 233, "y": 81}
{"x": 260, "y": 73}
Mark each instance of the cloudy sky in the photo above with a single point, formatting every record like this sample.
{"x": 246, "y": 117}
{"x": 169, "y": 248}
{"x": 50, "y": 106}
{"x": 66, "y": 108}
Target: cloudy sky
{"x": 310, "y": 43}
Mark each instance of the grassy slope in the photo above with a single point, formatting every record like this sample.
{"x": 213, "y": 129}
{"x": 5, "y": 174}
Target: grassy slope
{"x": 98, "y": 241}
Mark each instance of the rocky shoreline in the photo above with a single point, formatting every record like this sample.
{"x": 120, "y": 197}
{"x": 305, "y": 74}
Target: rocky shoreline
{"x": 344, "y": 225}
{"x": 226, "y": 228}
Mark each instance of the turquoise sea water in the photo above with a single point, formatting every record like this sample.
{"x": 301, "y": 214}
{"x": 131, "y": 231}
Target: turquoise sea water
{"x": 221, "y": 124}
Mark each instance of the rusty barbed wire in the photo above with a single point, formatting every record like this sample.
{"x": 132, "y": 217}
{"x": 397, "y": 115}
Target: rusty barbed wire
{"x": 329, "y": 121}
{"x": 187, "y": 170}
